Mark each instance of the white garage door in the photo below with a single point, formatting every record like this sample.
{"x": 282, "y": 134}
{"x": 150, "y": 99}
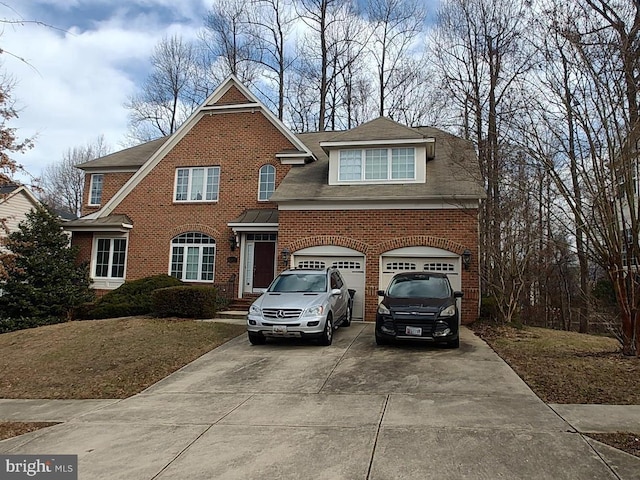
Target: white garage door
{"x": 420, "y": 259}
{"x": 351, "y": 267}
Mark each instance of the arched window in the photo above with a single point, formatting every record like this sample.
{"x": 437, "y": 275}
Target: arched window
{"x": 193, "y": 256}
{"x": 267, "y": 182}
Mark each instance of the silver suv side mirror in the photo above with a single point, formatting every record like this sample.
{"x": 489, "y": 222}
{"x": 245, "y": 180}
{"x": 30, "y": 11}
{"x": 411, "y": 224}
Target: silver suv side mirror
{"x": 336, "y": 291}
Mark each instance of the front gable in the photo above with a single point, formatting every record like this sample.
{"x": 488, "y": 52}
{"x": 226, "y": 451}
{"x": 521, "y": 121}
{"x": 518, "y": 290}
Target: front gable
{"x": 223, "y": 122}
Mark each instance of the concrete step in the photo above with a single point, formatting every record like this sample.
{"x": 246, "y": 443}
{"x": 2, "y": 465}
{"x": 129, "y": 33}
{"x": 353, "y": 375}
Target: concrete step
{"x": 233, "y": 314}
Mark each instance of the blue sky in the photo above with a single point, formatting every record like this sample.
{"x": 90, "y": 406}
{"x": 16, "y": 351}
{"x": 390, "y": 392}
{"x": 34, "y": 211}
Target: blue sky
{"x": 83, "y": 64}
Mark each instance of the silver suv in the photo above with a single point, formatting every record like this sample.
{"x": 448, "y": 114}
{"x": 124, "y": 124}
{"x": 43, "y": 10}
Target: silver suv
{"x": 303, "y": 303}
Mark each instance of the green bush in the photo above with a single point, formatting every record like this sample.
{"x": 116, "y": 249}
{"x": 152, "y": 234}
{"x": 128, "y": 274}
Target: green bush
{"x": 131, "y": 298}
{"x": 489, "y": 308}
{"x": 186, "y": 302}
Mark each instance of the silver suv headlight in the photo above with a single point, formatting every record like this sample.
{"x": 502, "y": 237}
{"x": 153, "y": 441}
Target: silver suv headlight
{"x": 450, "y": 311}
{"x": 255, "y": 310}
{"x": 314, "y": 311}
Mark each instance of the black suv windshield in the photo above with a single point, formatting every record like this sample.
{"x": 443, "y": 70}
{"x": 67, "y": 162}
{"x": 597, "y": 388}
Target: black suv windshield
{"x": 300, "y": 282}
{"x": 422, "y": 286}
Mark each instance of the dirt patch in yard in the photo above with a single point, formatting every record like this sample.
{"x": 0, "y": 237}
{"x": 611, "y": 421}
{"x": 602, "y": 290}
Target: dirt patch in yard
{"x": 628, "y": 442}
{"x": 13, "y": 429}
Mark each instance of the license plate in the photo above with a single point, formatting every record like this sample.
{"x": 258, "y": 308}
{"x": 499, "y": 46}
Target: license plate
{"x": 279, "y": 329}
{"x": 415, "y": 331}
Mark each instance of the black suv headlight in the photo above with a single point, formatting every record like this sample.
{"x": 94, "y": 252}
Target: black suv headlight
{"x": 450, "y": 311}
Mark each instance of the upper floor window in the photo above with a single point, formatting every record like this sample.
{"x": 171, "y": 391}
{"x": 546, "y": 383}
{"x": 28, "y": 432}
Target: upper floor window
{"x": 95, "y": 189}
{"x": 267, "y": 182}
{"x": 200, "y": 184}
{"x": 193, "y": 256}
{"x": 110, "y": 257}
{"x": 376, "y": 164}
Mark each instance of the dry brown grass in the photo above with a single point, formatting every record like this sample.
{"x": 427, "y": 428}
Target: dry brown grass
{"x": 113, "y": 358}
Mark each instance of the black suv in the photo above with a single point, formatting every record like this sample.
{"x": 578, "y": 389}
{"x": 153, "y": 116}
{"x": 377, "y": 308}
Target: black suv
{"x": 419, "y": 306}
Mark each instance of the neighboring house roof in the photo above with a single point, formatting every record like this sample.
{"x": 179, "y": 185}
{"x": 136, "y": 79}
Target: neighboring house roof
{"x": 11, "y": 189}
{"x": 108, "y": 223}
{"x": 454, "y": 173}
{"x": 133, "y": 157}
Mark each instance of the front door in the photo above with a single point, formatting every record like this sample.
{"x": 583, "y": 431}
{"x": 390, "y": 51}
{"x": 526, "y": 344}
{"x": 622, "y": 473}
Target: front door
{"x": 263, "y": 264}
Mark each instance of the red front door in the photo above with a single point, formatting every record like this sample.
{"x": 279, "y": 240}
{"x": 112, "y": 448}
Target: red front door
{"x": 263, "y": 263}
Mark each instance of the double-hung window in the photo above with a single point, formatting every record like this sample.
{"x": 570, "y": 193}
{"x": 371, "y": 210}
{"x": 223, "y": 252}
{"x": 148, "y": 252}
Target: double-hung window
{"x": 95, "y": 189}
{"x": 377, "y": 164}
{"x": 198, "y": 184}
{"x": 193, "y": 257}
{"x": 110, "y": 257}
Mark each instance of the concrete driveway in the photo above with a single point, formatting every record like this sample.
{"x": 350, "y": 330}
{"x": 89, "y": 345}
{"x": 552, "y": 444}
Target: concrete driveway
{"x": 353, "y": 410}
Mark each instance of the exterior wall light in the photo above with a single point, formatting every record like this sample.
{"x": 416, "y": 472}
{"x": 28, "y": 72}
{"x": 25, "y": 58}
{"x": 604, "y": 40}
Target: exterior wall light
{"x": 233, "y": 242}
{"x": 286, "y": 253}
{"x": 466, "y": 259}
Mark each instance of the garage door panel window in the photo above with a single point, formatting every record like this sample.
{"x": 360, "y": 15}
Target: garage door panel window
{"x": 439, "y": 267}
{"x": 193, "y": 257}
{"x": 346, "y": 265}
{"x": 312, "y": 264}
{"x": 401, "y": 266}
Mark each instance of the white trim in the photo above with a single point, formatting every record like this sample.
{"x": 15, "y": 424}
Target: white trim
{"x": 329, "y": 251}
{"x": 293, "y": 161}
{"x": 190, "y": 184}
{"x": 253, "y": 227}
{"x": 382, "y": 143}
{"x": 383, "y": 204}
{"x": 193, "y": 119}
{"x": 248, "y": 107}
{"x": 200, "y": 254}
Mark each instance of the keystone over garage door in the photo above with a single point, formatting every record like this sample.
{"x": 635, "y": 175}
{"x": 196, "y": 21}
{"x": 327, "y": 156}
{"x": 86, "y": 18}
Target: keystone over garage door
{"x": 348, "y": 261}
{"x": 420, "y": 259}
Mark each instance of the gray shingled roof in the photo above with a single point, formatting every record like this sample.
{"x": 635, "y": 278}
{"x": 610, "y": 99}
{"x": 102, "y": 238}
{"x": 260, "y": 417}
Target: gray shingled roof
{"x": 110, "y": 221}
{"x": 133, "y": 157}
{"x": 381, "y": 128}
{"x": 8, "y": 188}
{"x": 454, "y": 173}
{"x": 258, "y": 215}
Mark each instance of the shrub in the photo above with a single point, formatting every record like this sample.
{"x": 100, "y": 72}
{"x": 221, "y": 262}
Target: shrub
{"x": 489, "y": 308}
{"x": 186, "y": 302}
{"x": 131, "y": 298}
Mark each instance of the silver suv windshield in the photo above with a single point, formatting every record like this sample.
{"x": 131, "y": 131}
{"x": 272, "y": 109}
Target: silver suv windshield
{"x": 423, "y": 286}
{"x": 300, "y": 282}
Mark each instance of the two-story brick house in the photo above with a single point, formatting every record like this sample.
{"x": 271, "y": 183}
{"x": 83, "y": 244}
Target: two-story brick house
{"x": 234, "y": 194}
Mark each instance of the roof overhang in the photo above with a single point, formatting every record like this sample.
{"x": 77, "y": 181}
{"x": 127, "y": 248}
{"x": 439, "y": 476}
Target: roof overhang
{"x": 255, "y": 220}
{"x": 110, "y": 223}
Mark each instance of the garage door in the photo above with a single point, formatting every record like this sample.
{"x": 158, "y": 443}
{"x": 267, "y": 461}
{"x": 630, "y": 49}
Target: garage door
{"x": 351, "y": 267}
{"x": 410, "y": 260}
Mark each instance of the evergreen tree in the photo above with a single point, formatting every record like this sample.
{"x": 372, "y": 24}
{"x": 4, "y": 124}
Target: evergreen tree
{"x": 44, "y": 281}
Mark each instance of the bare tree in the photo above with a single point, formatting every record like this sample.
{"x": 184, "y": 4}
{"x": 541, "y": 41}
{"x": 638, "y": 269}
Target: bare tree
{"x": 332, "y": 35}
{"x": 592, "y": 141}
{"x": 480, "y": 51}
{"x": 228, "y": 45}
{"x": 396, "y": 24}
{"x": 166, "y": 97}
{"x": 63, "y": 183}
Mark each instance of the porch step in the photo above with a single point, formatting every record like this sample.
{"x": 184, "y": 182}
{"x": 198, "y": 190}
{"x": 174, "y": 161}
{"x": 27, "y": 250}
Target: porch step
{"x": 241, "y": 303}
{"x": 233, "y": 314}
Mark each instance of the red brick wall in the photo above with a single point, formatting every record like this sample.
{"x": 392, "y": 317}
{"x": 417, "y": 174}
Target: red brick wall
{"x": 240, "y": 143}
{"x": 374, "y": 232}
{"x": 112, "y": 182}
{"x": 232, "y": 96}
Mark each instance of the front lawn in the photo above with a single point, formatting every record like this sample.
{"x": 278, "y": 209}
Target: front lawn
{"x": 113, "y": 358}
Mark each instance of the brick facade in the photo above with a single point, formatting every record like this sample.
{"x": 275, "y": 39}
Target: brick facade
{"x": 239, "y": 143}
{"x": 112, "y": 182}
{"x": 374, "y": 232}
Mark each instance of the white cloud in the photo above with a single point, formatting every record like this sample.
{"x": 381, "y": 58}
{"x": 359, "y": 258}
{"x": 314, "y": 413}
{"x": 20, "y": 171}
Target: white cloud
{"x": 76, "y": 82}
